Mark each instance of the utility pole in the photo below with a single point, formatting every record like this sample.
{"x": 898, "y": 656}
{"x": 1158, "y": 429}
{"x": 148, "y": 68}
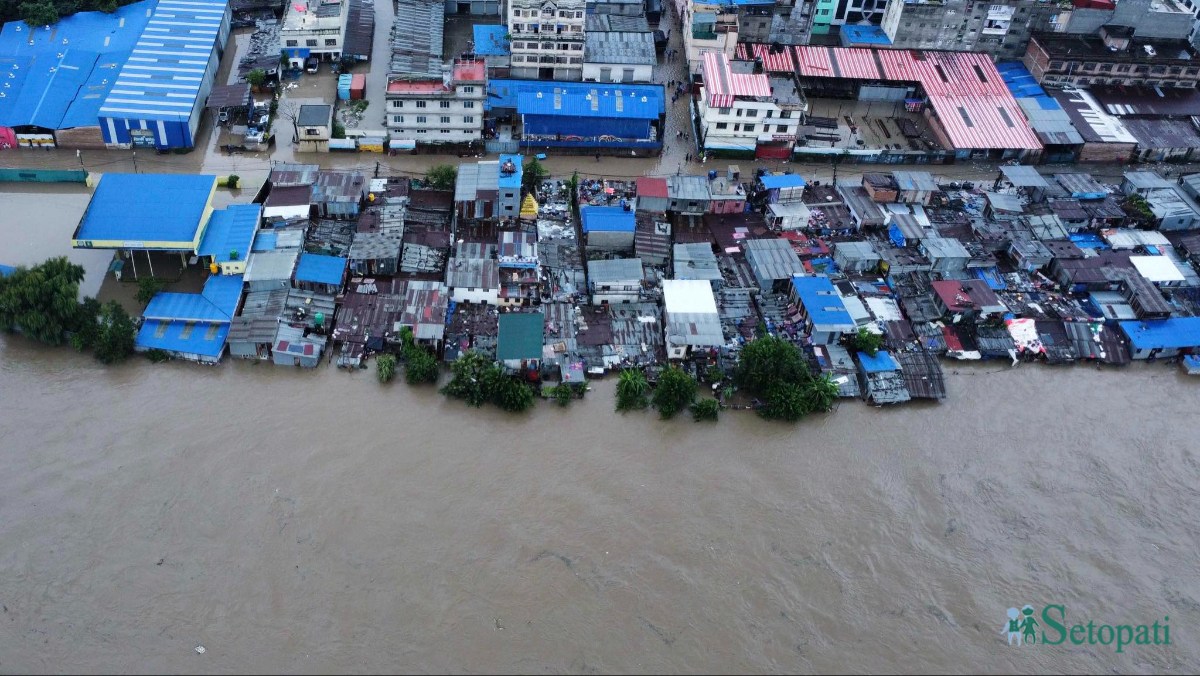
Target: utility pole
{"x": 79, "y": 155}
{"x": 135, "y": 169}
{"x": 376, "y": 169}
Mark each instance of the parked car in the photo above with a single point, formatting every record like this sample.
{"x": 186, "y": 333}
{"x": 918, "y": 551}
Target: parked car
{"x": 254, "y": 135}
{"x": 312, "y": 64}
{"x": 223, "y": 116}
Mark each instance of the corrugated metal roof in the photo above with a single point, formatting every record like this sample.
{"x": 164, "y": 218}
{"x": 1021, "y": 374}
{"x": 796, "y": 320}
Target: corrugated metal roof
{"x": 472, "y": 273}
{"x": 320, "y": 269}
{"x": 722, "y": 86}
{"x": 1173, "y": 333}
{"x": 620, "y": 48}
{"x": 376, "y": 245}
{"x": 504, "y": 93}
{"x": 615, "y": 270}
{"x": 882, "y": 362}
{"x": 230, "y": 231}
{"x": 217, "y": 302}
{"x": 271, "y": 265}
{"x": 162, "y": 77}
{"x": 696, "y": 260}
{"x": 774, "y": 61}
{"x": 520, "y": 336}
{"x": 772, "y": 258}
{"x": 822, "y": 302}
{"x": 687, "y": 187}
{"x": 599, "y": 23}
{"x": 58, "y": 77}
{"x": 360, "y": 30}
{"x": 138, "y": 208}
{"x": 489, "y": 40}
{"x": 183, "y": 337}
{"x": 229, "y": 96}
{"x": 774, "y": 181}
{"x": 598, "y": 101}
{"x": 417, "y": 39}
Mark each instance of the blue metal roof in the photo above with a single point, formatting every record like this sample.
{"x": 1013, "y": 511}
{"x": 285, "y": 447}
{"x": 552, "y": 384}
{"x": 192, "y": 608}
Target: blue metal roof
{"x": 606, "y": 219}
{"x": 320, "y": 269}
{"x": 519, "y": 336}
{"x": 207, "y": 340}
{"x": 489, "y": 40}
{"x": 265, "y": 241}
{"x": 504, "y": 93}
{"x": 7, "y": 270}
{"x": 146, "y": 207}
{"x": 865, "y": 35}
{"x": 57, "y": 77}
{"x": 773, "y": 181}
{"x": 512, "y": 180}
{"x": 1173, "y": 333}
{"x": 605, "y": 103}
{"x": 821, "y": 301}
{"x": 230, "y": 229}
{"x": 216, "y": 303}
{"x": 882, "y": 362}
{"x": 161, "y": 80}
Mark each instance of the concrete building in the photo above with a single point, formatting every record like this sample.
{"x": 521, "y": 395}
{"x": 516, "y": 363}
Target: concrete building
{"x": 547, "y": 38}
{"x": 692, "y": 323}
{"x": 708, "y": 27}
{"x": 491, "y": 45}
{"x": 517, "y": 261}
{"x": 315, "y": 122}
{"x": 609, "y": 228}
{"x": 1001, "y": 28}
{"x": 473, "y": 8}
{"x": 313, "y": 29}
{"x": 612, "y": 56}
{"x": 473, "y": 280}
{"x": 446, "y": 110}
{"x": 1115, "y": 55}
{"x": 490, "y": 189}
{"x": 739, "y": 110}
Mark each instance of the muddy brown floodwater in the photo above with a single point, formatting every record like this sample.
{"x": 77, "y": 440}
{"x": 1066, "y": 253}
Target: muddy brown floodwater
{"x": 317, "y": 521}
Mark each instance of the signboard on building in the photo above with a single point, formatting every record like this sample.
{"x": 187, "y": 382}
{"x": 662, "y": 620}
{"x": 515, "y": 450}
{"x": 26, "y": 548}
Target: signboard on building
{"x": 141, "y": 138}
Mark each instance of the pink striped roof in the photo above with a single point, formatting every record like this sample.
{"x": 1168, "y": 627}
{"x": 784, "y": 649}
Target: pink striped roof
{"x": 781, "y": 63}
{"x": 722, "y": 85}
{"x": 966, "y": 92}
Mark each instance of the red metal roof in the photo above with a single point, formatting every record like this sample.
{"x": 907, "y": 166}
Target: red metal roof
{"x": 780, "y": 63}
{"x": 652, "y": 187}
{"x": 966, "y": 92}
{"x": 417, "y": 87}
{"x": 722, "y": 85}
{"x": 470, "y": 71}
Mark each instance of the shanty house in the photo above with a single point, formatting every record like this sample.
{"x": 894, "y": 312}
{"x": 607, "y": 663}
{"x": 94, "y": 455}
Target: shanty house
{"x": 294, "y": 347}
{"x": 229, "y": 237}
{"x": 192, "y": 326}
{"x": 271, "y": 269}
{"x": 519, "y": 341}
{"x": 969, "y": 298}
{"x": 609, "y": 228}
{"x": 376, "y": 253}
{"x": 1162, "y": 338}
{"x": 473, "y": 280}
{"x": 323, "y": 274}
{"x": 822, "y": 309}
{"x": 883, "y": 379}
{"x": 773, "y": 262}
{"x": 618, "y": 280}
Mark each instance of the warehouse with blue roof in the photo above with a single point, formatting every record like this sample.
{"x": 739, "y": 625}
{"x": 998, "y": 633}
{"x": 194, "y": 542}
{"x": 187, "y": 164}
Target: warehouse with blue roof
{"x": 192, "y": 326}
{"x": 56, "y": 78}
{"x": 162, "y": 212}
{"x": 161, "y": 89}
{"x": 582, "y": 115}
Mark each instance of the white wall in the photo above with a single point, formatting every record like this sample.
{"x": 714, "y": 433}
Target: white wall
{"x": 592, "y": 72}
{"x": 464, "y": 295}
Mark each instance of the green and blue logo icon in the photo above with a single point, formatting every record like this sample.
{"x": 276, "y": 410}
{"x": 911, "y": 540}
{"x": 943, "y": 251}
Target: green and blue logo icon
{"x": 1023, "y": 628}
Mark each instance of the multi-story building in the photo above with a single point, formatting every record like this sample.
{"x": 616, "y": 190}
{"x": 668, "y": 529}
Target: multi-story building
{"x": 447, "y": 110}
{"x": 824, "y": 14}
{"x": 547, "y": 38}
{"x": 741, "y": 110}
{"x": 313, "y": 29}
{"x": 1114, "y": 57}
{"x": 708, "y": 27}
{"x": 999, "y": 27}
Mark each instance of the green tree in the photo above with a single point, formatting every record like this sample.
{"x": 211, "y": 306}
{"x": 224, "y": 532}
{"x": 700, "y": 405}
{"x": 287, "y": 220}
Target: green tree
{"x": 385, "y": 367}
{"x": 865, "y": 341}
{"x": 573, "y": 190}
{"x": 38, "y": 14}
{"x": 533, "y": 175}
{"x": 467, "y": 382}
{"x": 714, "y": 374}
{"x": 85, "y": 327}
{"x": 705, "y": 409}
{"x": 767, "y": 361}
{"x": 117, "y": 335}
{"x": 257, "y": 78}
{"x": 512, "y": 395}
{"x": 108, "y": 6}
{"x": 442, "y": 177}
{"x": 631, "y": 390}
{"x": 148, "y": 288}
{"x": 562, "y": 394}
{"x": 42, "y": 301}
{"x": 339, "y": 130}
{"x": 675, "y": 391}
{"x": 785, "y": 401}
{"x": 821, "y": 393}
{"x": 420, "y": 367}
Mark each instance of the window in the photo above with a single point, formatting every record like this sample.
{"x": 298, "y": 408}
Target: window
{"x": 311, "y": 43}
{"x": 469, "y": 89}
{"x": 770, "y": 113}
{"x": 751, "y": 112}
{"x": 445, "y": 119}
{"x": 292, "y": 43}
{"x": 420, "y": 104}
{"x": 722, "y": 125}
{"x": 576, "y": 46}
{"x": 578, "y": 15}
{"x": 445, "y": 131}
{"x": 420, "y": 119}
{"x": 516, "y": 28}
{"x": 547, "y": 45}
{"x": 747, "y": 127}
{"x": 331, "y": 42}
{"x": 738, "y": 112}
{"x": 445, "y": 104}
{"x": 469, "y": 119}
{"x": 312, "y": 132}
{"x": 782, "y": 129}
{"x": 825, "y": 12}
{"x": 468, "y": 104}
{"x": 422, "y": 131}
{"x": 737, "y": 127}
{"x": 723, "y": 111}
{"x": 397, "y": 119}
{"x": 397, "y": 103}
{"x": 785, "y": 114}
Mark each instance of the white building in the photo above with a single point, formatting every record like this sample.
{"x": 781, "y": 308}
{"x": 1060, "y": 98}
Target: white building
{"x": 692, "y": 321}
{"x": 315, "y": 28}
{"x": 617, "y": 280}
{"x": 473, "y": 280}
{"x": 547, "y": 39}
{"x": 740, "y": 109}
{"x": 448, "y": 110}
{"x": 708, "y": 28}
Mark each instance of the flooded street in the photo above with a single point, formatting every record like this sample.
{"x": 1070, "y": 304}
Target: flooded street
{"x": 307, "y": 522}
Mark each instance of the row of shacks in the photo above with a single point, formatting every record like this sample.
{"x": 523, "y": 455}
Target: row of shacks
{"x": 688, "y": 269}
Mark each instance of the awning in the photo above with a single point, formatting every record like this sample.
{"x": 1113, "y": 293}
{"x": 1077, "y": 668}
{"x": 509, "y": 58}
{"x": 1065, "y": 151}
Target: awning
{"x": 229, "y": 96}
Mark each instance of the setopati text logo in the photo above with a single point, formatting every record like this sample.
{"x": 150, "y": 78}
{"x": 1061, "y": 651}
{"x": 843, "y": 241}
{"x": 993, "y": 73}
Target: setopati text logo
{"x": 1024, "y": 628}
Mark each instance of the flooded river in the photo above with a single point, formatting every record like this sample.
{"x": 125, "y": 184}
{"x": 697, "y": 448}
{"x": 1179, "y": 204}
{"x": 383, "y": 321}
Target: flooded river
{"x": 295, "y": 521}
